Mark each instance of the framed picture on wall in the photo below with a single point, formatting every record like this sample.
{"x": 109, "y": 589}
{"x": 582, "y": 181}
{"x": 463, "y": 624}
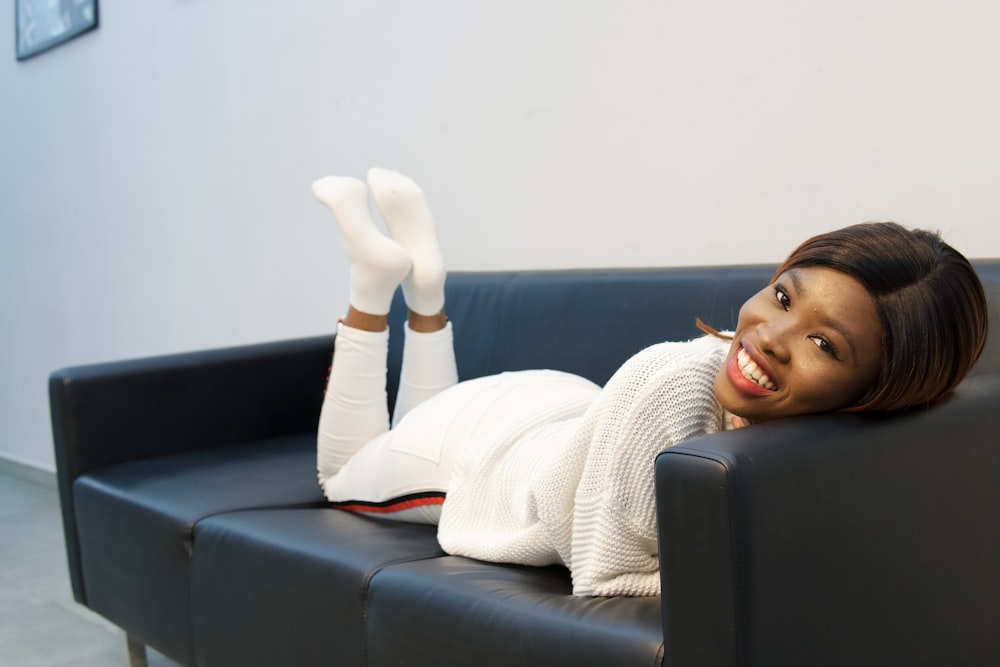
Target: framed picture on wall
{"x": 43, "y": 24}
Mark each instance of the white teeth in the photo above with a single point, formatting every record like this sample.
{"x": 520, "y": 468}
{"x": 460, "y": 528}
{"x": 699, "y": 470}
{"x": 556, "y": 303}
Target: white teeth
{"x": 752, "y": 371}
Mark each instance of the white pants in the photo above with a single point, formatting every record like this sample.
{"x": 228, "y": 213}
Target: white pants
{"x": 403, "y": 473}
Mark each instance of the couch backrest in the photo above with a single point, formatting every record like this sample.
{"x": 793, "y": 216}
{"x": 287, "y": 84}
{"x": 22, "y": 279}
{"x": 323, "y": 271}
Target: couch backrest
{"x": 590, "y": 321}
{"x": 586, "y": 322}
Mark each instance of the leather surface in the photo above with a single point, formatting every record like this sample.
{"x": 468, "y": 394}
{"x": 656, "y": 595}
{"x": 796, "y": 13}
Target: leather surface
{"x": 586, "y": 322}
{"x": 838, "y": 540}
{"x": 699, "y": 581}
{"x": 110, "y": 413}
{"x": 290, "y": 587}
{"x": 136, "y": 523}
{"x": 456, "y": 612}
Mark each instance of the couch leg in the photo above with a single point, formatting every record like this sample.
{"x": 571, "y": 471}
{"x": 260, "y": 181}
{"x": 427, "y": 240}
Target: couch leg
{"x": 136, "y": 652}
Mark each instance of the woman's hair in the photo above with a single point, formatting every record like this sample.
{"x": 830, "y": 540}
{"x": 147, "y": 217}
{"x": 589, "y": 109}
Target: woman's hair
{"x": 929, "y": 300}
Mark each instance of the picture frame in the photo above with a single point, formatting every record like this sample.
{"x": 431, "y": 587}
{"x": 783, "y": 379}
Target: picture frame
{"x": 44, "y": 24}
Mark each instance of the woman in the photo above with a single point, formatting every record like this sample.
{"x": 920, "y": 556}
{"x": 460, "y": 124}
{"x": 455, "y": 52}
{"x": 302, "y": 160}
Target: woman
{"x": 545, "y": 467}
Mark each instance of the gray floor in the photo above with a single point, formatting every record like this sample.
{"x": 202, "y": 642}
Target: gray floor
{"x": 40, "y": 624}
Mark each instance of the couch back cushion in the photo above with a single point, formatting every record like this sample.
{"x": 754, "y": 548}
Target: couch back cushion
{"x": 586, "y": 322}
{"x": 590, "y": 321}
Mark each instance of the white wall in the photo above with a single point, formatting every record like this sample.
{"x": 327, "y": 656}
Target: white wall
{"x": 154, "y": 174}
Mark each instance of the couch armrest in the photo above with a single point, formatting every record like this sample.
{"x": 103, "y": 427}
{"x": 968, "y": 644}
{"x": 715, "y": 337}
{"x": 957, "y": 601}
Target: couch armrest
{"x": 836, "y": 540}
{"x": 104, "y": 414}
{"x": 110, "y": 413}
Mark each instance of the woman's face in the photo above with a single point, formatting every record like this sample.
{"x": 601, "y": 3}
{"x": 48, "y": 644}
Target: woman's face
{"x": 809, "y": 342}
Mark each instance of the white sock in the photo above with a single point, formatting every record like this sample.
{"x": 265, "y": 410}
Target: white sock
{"x": 408, "y": 217}
{"x": 377, "y": 262}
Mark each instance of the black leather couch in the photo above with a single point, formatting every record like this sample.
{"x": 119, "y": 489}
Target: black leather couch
{"x": 193, "y": 519}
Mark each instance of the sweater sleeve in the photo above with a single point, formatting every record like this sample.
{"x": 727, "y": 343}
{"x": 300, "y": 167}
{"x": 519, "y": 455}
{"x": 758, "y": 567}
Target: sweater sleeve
{"x": 661, "y": 397}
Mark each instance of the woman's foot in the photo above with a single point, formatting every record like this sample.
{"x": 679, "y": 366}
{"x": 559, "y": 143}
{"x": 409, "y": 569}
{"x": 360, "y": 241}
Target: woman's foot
{"x": 408, "y": 217}
{"x": 378, "y": 263}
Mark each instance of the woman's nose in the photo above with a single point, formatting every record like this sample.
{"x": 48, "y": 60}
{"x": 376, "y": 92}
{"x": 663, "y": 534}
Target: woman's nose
{"x": 773, "y": 340}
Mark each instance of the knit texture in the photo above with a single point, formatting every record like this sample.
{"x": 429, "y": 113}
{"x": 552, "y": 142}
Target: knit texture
{"x": 576, "y": 485}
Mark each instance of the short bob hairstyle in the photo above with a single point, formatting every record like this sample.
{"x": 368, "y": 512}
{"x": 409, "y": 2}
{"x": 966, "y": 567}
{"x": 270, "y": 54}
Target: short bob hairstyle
{"x": 929, "y": 300}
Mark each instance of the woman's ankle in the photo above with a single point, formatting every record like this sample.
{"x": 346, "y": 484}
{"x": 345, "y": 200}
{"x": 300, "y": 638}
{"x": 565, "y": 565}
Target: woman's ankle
{"x": 427, "y": 323}
{"x": 358, "y": 319}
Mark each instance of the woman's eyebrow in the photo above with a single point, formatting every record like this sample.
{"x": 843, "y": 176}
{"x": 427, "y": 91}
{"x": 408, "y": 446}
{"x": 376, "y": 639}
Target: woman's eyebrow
{"x": 801, "y": 293}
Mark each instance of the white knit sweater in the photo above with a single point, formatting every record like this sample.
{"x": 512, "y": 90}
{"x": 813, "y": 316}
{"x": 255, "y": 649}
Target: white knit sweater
{"x": 577, "y": 486}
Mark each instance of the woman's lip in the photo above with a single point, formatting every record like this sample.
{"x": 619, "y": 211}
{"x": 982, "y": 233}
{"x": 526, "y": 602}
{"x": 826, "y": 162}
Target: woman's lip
{"x": 740, "y": 381}
{"x": 756, "y": 357}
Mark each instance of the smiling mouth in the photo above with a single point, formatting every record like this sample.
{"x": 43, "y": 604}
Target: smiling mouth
{"x": 751, "y": 371}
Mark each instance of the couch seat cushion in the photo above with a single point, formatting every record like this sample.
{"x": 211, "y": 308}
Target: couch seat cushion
{"x": 290, "y": 586}
{"x": 136, "y": 522}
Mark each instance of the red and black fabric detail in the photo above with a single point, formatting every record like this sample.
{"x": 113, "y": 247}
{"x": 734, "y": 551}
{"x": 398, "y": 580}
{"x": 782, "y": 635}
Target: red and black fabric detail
{"x": 410, "y": 501}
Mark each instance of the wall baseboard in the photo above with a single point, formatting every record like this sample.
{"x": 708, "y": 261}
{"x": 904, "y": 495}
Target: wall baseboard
{"x": 28, "y": 472}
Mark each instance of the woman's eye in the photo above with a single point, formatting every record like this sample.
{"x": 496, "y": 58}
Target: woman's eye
{"x": 825, "y": 346}
{"x": 781, "y": 296}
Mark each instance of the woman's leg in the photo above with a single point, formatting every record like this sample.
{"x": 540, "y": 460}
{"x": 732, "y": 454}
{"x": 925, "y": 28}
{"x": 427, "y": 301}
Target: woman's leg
{"x": 428, "y": 354}
{"x": 355, "y": 409}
